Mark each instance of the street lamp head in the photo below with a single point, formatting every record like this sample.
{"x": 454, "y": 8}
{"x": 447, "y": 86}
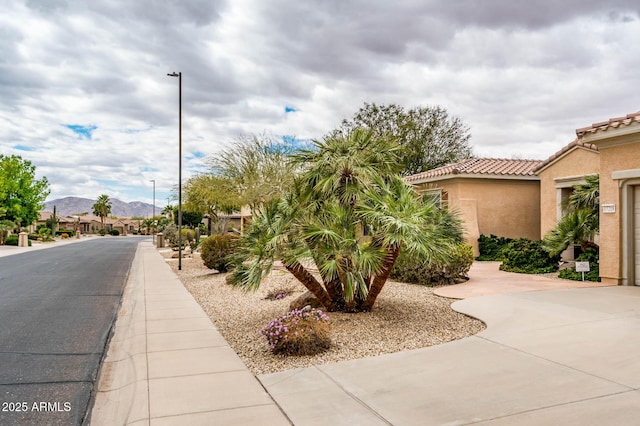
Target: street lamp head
{"x": 174, "y": 74}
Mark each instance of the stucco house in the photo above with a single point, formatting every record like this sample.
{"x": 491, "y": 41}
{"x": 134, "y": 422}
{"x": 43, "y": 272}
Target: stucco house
{"x": 618, "y": 141}
{"x": 492, "y": 196}
{"x": 524, "y": 198}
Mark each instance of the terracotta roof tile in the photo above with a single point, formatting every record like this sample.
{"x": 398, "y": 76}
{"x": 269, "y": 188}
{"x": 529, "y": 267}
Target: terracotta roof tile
{"x": 577, "y": 143}
{"x": 482, "y": 166}
{"x": 611, "y": 123}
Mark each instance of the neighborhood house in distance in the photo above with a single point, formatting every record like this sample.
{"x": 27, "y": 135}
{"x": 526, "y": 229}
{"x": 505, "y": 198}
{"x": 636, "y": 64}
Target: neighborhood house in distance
{"x": 89, "y": 224}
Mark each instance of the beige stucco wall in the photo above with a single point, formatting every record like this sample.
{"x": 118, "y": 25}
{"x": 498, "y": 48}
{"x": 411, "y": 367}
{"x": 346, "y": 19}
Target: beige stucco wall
{"x": 577, "y": 163}
{"x": 503, "y": 207}
{"x": 612, "y": 159}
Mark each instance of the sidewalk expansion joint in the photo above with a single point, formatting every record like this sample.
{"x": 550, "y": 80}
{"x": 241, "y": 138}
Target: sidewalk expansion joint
{"x": 353, "y": 396}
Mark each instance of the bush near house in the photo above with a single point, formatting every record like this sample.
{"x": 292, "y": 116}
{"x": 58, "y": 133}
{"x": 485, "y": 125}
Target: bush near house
{"x": 12, "y": 240}
{"x": 528, "y": 257}
{"x": 102, "y": 232}
{"x": 412, "y": 269}
{"x": 492, "y": 247}
{"x": 114, "y": 232}
{"x": 591, "y": 255}
{"x": 216, "y": 249}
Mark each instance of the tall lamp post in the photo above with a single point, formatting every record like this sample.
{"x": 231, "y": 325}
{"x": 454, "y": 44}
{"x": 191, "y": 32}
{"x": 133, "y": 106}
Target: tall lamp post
{"x": 179, "y": 75}
{"x": 153, "y": 236}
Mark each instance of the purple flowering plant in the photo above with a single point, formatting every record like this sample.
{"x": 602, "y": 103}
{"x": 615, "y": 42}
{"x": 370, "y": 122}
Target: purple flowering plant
{"x": 278, "y": 293}
{"x": 299, "y": 332}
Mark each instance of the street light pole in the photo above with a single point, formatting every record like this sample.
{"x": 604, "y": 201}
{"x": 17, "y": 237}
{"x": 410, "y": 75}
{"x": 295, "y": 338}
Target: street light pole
{"x": 153, "y": 236}
{"x": 179, "y": 75}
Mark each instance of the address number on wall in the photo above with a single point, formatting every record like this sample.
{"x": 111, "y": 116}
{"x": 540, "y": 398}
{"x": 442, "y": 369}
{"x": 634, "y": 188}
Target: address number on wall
{"x": 608, "y": 208}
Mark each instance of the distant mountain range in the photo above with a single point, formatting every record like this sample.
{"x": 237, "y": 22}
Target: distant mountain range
{"x": 74, "y": 205}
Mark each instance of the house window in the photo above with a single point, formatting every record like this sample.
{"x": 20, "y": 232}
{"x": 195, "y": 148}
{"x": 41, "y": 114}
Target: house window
{"x": 565, "y": 194}
{"x": 438, "y": 195}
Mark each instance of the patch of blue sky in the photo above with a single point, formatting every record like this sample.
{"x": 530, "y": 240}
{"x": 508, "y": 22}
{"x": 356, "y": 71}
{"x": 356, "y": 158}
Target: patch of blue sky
{"x": 107, "y": 182}
{"x": 198, "y": 154}
{"x": 288, "y": 109}
{"x": 82, "y": 131}
{"x": 296, "y": 144}
{"x": 23, "y": 148}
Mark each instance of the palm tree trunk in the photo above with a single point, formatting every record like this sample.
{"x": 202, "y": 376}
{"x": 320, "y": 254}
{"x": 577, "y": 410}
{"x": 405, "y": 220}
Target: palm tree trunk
{"x": 310, "y": 282}
{"x": 334, "y": 289}
{"x": 380, "y": 279}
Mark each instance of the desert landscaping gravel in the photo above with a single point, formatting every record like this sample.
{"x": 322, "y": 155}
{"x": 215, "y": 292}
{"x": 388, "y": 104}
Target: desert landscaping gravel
{"x": 405, "y": 316}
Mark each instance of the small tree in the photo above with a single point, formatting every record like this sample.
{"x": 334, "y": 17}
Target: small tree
{"x": 102, "y": 208}
{"x": 428, "y": 136}
{"x": 256, "y": 169}
{"x": 21, "y": 194}
{"x": 349, "y": 188}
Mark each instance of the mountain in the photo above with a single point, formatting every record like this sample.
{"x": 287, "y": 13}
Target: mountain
{"x": 72, "y": 205}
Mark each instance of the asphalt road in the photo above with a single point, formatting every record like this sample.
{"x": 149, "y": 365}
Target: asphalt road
{"x": 57, "y": 307}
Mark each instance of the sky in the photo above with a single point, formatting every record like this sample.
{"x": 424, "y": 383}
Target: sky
{"x": 85, "y": 96}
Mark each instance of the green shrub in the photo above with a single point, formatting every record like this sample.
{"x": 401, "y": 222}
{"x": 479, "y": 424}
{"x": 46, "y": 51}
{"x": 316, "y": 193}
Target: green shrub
{"x": 591, "y": 255}
{"x": 34, "y": 237}
{"x": 215, "y": 251}
{"x": 69, "y": 232}
{"x": 12, "y": 240}
{"x": 492, "y": 247}
{"x": 170, "y": 233}
{"x": 114, "y": 232}
{"x": 412, "y": 269}
{"x": 299, "y": 332}
{"x": 187, "y": 235}
{"x": 528, "y": 257}
{"x": 102, "y": 232}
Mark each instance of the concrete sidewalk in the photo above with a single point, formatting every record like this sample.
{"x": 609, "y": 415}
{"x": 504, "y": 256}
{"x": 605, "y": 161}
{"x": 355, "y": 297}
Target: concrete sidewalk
{"x": 567, "y": 357}
{"x": 11, "y": 250}
{"x": 547, "y": 357}
{"x": 168, "y": 365}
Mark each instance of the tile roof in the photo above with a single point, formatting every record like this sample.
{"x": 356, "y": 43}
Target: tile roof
{"x": 482, "y": 166}
{"x": 611, "y": 123}
{"x": 577, "y": 143}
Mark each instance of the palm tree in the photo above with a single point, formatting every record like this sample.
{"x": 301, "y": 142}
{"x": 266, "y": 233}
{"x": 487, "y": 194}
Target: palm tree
{"x": 347, "y": 216}
{"x": 581, "y": 222}
{"x": 102, "y": 208}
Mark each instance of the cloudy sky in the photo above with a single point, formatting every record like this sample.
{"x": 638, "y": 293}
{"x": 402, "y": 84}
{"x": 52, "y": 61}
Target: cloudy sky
{"x": 85, "y": 94}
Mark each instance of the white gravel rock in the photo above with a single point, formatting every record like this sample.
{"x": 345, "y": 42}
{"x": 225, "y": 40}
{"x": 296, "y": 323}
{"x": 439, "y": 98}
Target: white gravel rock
{"x": 405, "y": 316}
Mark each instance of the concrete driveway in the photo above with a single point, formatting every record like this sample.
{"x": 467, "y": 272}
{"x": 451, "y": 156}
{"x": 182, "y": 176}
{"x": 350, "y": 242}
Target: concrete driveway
{"x": 486, "y": 278}
{"x": 569, "y": 357}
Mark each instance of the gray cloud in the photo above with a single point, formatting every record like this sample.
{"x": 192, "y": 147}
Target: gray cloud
{"x": 524, "y": 75}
